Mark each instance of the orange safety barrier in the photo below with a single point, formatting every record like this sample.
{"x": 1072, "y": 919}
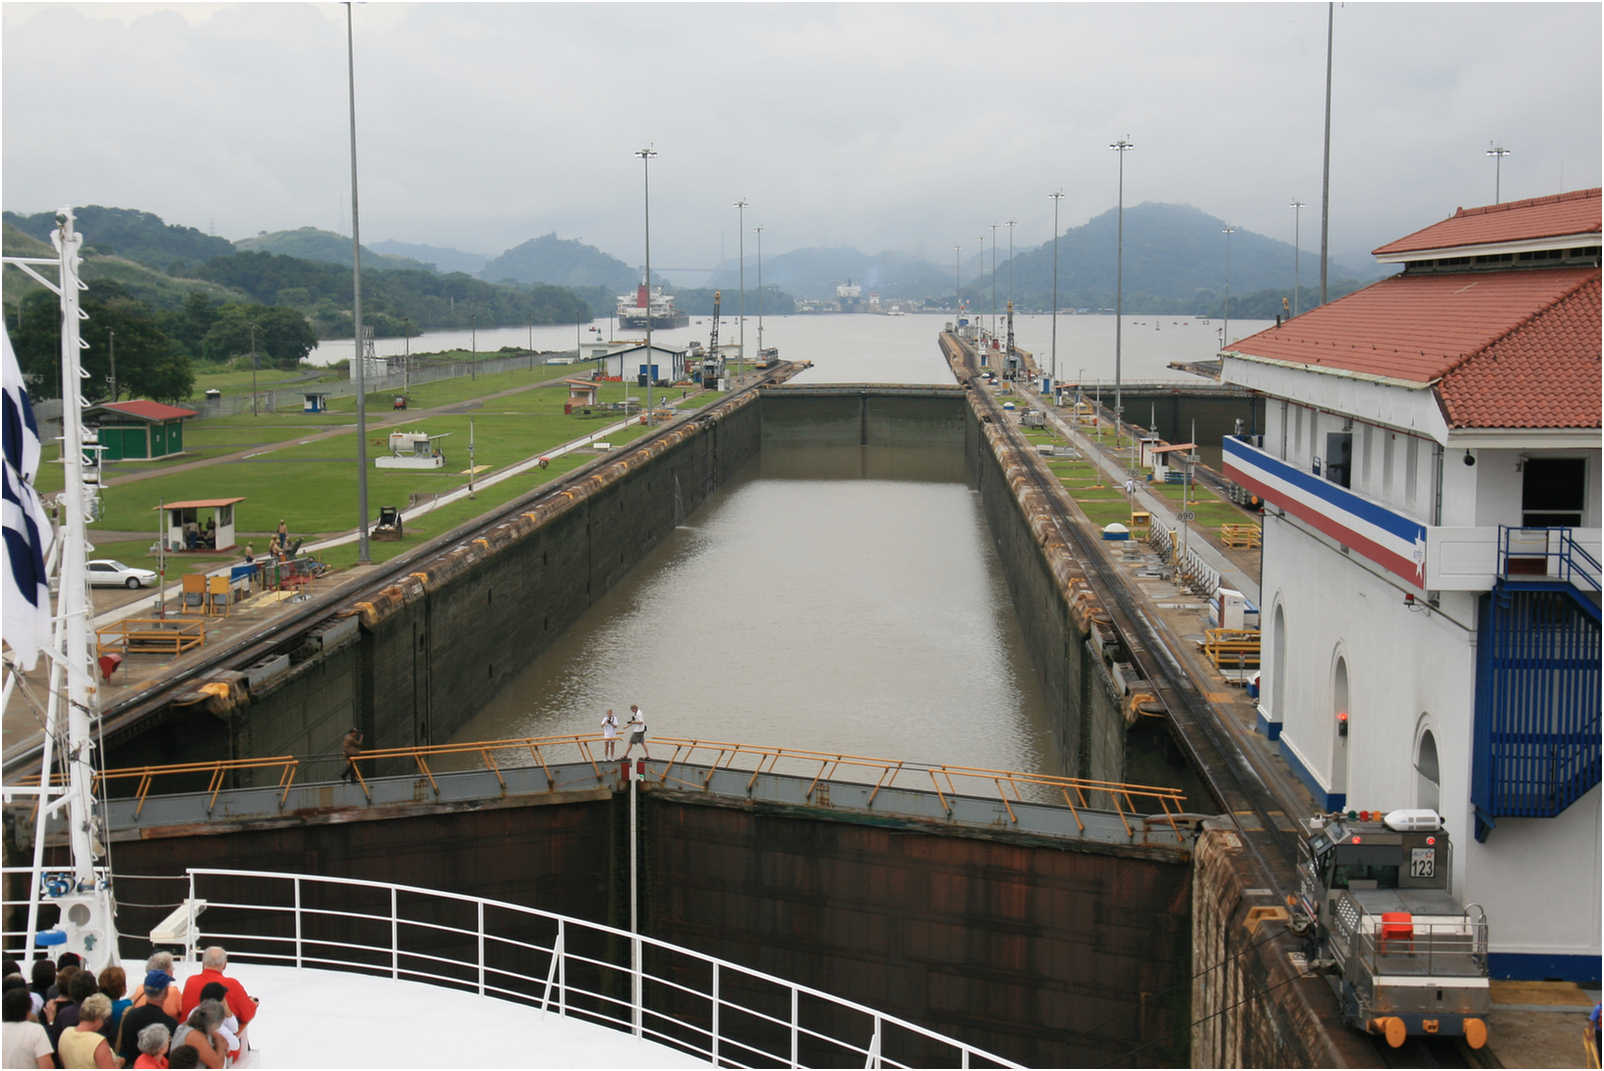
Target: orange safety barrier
{"x": 217, "y": 772}
{"x": 1397, "y": 927}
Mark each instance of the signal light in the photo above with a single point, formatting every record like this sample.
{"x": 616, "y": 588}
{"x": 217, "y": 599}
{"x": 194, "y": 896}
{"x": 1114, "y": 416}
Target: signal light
{"x": 1356, "y": 838}
{"x": 1431, "y": 840}
{"x": 1342, "y": 723}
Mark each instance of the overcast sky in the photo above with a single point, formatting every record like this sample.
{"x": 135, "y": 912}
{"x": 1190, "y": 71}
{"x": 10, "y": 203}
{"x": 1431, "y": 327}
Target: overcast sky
{"x": 902, "y": 126}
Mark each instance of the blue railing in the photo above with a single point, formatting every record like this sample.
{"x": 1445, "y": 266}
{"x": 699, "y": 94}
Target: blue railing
{"x": 1573, "y": 563}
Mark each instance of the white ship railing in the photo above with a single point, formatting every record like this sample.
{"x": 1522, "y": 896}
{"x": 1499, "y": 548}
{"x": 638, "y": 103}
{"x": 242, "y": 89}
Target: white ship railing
{"x": 571, "y": 981}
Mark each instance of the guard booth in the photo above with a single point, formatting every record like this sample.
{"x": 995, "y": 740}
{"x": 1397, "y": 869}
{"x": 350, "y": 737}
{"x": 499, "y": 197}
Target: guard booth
{"x": 1170, "y": 462}
{"x": 203, "y": 525}
{"x": 413, "y": 450}
{"x": 315, "y": 402}
{"x": 582, "y": 394}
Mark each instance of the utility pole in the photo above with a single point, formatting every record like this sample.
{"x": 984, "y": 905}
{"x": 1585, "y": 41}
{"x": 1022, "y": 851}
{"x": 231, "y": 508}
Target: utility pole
{"x": 1056, "y": 196}
{"x": 363, "y": 557}
{"x": 1325, "y": 181}
{"x": 759, "y": 290}
{"x": 1497, "y": 152}
{"x": 1297, "y": 207}
{"x": 740, "y": 215}
{"x": 471, "y": 465}
{"x": 957, "y": 287}
{"x": 1227, "y": 230}
{"x": 473, "y": 341}
{"x": 1011, "y": 223}
{"x": 406, "y": 356}
{"x": 646, "y": 155}
{"x": 112, "y": 348}
{"x": 1121, "y": 147}
{"x": 994, "y": 227}
{"x": 253, "y": 366}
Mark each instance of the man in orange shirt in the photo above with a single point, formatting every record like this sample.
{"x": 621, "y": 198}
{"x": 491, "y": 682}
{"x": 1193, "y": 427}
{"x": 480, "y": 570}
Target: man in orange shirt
{"x": 214, "y": 961}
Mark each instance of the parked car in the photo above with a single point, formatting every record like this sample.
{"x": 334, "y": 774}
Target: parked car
{"x": 109, "y": 573}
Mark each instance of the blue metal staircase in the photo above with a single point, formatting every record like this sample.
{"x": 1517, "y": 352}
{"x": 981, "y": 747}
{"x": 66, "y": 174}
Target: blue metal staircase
{"x": 1537, "y": 719}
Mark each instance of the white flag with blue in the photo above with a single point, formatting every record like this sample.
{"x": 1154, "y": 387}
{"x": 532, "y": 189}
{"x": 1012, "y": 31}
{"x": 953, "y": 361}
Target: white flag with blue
{"x": 26, "y": 605}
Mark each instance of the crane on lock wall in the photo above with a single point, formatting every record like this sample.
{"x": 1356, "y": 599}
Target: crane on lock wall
{"x": 711, "y": 364}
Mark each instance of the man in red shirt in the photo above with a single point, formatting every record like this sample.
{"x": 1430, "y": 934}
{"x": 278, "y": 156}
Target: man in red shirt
{"x": 213, "y": 962}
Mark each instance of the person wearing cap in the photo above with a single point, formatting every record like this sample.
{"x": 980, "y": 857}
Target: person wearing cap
{"x": 171, "y": 997}
{"x": 351, "y": 747}
{"x": 144, "y": 1014}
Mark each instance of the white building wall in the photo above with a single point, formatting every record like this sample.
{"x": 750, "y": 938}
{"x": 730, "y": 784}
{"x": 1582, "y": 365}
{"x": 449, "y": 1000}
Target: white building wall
{"x": 1408, "y": 670}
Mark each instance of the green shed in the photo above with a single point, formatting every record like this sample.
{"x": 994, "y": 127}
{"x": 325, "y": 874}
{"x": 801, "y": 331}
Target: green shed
{"x": 138, "y": 429}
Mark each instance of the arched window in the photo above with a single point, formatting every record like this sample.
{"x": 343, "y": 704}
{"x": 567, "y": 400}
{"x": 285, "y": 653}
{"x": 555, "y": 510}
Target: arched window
{"x": 1278, "y": 667}
{"x": 1339, "y": 724}
{"x": 1427, "y": 790}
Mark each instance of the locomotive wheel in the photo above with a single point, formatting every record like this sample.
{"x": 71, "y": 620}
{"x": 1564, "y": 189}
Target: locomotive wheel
{"x": 1392, "y": 1028}
{"x": 1475, "y": 1033}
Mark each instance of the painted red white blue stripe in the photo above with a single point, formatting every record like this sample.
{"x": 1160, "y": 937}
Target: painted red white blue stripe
{"x": 1393, "y": 541}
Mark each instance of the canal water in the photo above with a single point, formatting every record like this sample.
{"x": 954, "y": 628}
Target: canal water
{"x": 838, "y": 600}
{"x": 886, "y": 349}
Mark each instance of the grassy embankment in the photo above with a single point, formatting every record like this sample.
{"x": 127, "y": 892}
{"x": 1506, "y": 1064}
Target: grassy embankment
{"x": 312, "y": 485}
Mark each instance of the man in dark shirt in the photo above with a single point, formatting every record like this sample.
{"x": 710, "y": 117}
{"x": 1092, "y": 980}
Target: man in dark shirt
{"x": 136, "y": 1019}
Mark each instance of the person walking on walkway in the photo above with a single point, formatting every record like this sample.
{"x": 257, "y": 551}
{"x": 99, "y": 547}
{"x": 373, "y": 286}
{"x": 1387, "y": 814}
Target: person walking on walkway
{"x": 351, "y": 747}
{"x": 637, "y": 731}
{"x": 609, "y": 727}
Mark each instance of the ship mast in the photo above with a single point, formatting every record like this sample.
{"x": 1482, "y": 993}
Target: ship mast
{"x": 82, "y": 892}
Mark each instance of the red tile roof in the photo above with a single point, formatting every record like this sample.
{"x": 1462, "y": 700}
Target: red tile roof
{"x": 146, "y": 410}
{"x": 1519, "y": 348}
{"x": 1546, "y": 373}
{"x": 1577, "y": 212}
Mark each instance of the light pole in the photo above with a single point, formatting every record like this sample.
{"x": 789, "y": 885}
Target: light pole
{"x": 1297, "y": 207}
{"x": 982, "y": 240}
{"x": 1325, "y": 181}
{"x": 112, "y": 345}
{"x": 759, "y": 230}
{"x": 740, "y": 215}
{"x": 1057, "y": 196}
{"x": 253, "y": 369}
{"x": 362, "y": 555}
{"x": 646, "y": 155}
{"x": 1120, "y": 147}
{"x": 406, "y": 357}
{"x": 1226, "y": 336}
{"x": 1497, "y": 152}
{"x": 1011, "y": 223}
{"x": 958, "y": 286}
{"x": 994, "y": 227}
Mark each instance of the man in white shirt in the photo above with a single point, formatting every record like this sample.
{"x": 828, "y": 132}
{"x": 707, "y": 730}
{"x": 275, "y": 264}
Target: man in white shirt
{"x": 637, "y": 731}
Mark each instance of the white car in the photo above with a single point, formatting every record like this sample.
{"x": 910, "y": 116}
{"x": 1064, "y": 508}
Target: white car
{"x": 108, "y": 573}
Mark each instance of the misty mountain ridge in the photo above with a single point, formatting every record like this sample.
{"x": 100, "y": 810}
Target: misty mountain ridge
{"x": 138, "y": 236}
{"x": 561, "y": 262}
{"x": 311, "y": 243}
{"x": 440, "y": 258}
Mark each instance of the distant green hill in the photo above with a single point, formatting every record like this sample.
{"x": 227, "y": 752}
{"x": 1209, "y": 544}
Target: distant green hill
{"x": 443, "y": 258}
{"x": 310, "y": 243}
{"x": 131, "y": 234}
{"x": 137, "y": 280}
{"x": 561, "y": 262}
{"x": 1174, "y": 262}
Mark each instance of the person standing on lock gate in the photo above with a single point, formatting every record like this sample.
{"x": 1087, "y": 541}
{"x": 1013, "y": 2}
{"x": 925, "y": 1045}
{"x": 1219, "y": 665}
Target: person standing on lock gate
{"x": 351, "y": 747}
{"x": 637, "y": 731}
{"x": 609, "y": 728}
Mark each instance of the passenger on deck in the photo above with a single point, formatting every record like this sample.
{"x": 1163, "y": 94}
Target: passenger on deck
{"x": 200, "y": 1033}
{"x": 80, "y": 987}
{"x": 171, "y": 998}
{"x": 153, "y": 1042}
{"x": 214, "y": 961}
{"x": 84, "y": 1045}
{"x": 114, "y": 983}
{"x": 144, "y": 1014}
{"x": 183, "y": 1056}
{"x": 228, "y": 1029}
{"x": 43, "y": 977}
{"x": 25, "y": 1042}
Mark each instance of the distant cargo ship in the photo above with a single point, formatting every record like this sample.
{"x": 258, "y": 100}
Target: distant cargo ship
{"x": 655, "y": 309}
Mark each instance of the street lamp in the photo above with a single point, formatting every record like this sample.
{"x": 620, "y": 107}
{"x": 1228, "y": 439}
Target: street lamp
{"x": 1297, "y": 207}
{"x": 1056, "y": 196}
{"x": 980, "y": 328}
{"x": 363, "y": 557}
{"x": 1011, "y": 223}
{"x": 1227, "y": 231}
{"x": 759, "y": 229}
{"x": 994, "y": 227}
{"x": 740, "y": 215}
{"x": 957, "y": 285}
{"x": 646, "y": 155}
{"x": 1497, "y": 152}
{"x": 1121, "y": 147}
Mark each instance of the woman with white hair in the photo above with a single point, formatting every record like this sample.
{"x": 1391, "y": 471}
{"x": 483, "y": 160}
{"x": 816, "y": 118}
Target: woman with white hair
{"x": 153, "y": 1042}
{"x": 200, "y": 1033}
{"x": 83, "y": 1045}
{"x": 173, "y": 996}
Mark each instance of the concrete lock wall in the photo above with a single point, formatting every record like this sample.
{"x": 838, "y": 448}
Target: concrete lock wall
{"x": 1082, "y": 696}
{"x": 1050, "y": 954}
